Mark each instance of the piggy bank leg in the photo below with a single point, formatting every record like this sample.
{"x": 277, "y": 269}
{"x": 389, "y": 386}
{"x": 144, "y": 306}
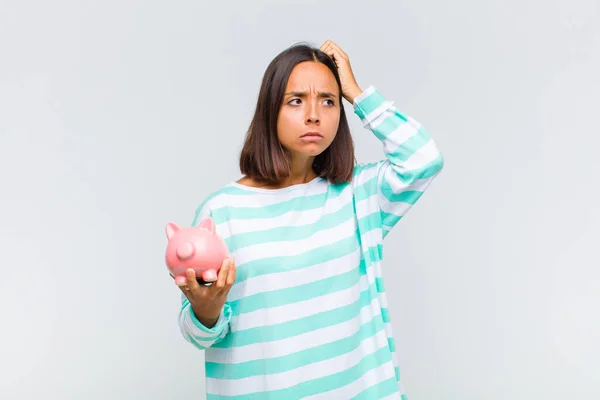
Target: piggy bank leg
{"x": 180, "y": 280}
{"x": 209, "y": 275}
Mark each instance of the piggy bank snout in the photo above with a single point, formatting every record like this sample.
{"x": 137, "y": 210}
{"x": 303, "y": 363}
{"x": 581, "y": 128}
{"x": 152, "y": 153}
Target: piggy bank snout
{"x": 185, "y": 251}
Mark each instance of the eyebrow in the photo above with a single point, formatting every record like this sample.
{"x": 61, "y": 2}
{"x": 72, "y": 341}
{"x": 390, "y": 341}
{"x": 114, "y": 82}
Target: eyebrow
{"x": 303, "y": 94}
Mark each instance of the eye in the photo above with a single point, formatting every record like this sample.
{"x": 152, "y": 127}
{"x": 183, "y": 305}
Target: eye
{"x": 290, "y": 102}
{"x": 332, "y": 103}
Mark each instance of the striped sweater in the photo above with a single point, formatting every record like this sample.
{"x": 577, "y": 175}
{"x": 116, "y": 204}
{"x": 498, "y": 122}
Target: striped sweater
{"x": 307, "y": 316}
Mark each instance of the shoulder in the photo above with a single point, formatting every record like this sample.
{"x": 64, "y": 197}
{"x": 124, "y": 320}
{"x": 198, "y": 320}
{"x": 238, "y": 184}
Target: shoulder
{"x": 365, "y": 172}
{"x": 209, "y": 202}
{"x": 222, "y": 196}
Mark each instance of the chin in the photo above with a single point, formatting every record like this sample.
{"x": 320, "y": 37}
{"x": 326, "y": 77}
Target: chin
{"x": 310, "y": 150}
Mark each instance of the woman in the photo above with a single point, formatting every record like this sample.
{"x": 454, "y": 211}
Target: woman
{"x": 302, "y": 311}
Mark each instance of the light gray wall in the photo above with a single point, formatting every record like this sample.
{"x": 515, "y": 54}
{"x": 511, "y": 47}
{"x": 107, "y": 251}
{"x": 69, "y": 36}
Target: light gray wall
{"x": 118, "y": 116}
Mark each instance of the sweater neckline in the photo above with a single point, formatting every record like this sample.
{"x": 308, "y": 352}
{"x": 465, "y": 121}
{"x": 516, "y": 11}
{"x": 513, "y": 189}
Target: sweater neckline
{"x": 296, "y": 186}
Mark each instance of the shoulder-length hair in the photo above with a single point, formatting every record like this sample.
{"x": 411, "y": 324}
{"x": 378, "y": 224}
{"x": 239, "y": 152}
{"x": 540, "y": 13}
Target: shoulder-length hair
{"x": 263, "y": 157}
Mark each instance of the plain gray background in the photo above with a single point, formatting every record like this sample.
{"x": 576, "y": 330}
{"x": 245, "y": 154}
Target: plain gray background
{"x": 118, "y": 116}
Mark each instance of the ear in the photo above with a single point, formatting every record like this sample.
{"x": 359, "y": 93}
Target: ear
{"x": 208, "y": 224}
{"x": 172, "y": 227}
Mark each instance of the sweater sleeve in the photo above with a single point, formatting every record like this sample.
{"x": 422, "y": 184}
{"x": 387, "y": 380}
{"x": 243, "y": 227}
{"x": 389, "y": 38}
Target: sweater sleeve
{"x": 197, "y": 334}
{"x": 193, "y": 330}
{"x": 411, "y": 162}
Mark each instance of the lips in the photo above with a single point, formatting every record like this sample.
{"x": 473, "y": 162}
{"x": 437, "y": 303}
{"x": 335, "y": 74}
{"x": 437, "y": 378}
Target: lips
{"x": 312, "y": 134}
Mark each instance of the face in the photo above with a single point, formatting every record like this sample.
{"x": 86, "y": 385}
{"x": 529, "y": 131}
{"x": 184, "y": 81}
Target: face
{"x": 310, "y": 112}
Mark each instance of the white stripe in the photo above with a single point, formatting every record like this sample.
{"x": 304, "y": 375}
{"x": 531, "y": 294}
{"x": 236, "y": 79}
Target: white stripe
{"x": 395, "y": 358}
{"x": 372, "y": 238}
{"x": 397, "y": 186}
{"x": 421, "y": 157}
{"x": 383, "y": 303}
{"x": 264, "y": 283}
{"x": 295, "y": 247}
{"x": 367, "y": 206}
{"x": 396, "y": 208}
{"x": 399, "y": 136}
{"x": 291, "y": 218}
{"x": 370, "y": 378}
{"x": 260, "y": 383}
{"x": 366, "y": 93}
{"x": 293, "y": 344}
{"x": 290, "y": 312}
{"x": 388, "y": 329}
{"x": 394, "y": 396}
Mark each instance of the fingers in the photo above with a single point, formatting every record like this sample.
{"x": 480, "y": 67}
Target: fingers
{"x": 222, "y": 278}
{"x": 338, "y": 50}
{"x": 232, "y": 274}
{"x": 324, "y": 45}
{"x": 333, "y": 50}
{"x": 225, "y": 279}
{"x": 192, "y": 283}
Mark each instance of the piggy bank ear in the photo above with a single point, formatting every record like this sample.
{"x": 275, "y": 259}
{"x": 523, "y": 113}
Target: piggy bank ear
{"x": 208, "y": 224}
{"x": 172, "y": 227}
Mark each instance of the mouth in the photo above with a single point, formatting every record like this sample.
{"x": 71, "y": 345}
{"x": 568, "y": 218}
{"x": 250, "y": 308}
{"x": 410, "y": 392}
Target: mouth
{"x": 312, "y": 134}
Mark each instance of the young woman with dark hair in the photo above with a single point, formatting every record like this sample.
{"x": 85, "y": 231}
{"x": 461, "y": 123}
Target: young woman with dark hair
{"x": 300, "y": 309}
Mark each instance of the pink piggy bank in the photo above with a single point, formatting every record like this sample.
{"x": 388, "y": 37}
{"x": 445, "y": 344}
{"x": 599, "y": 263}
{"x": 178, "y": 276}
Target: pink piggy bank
{"x": 199, "y": 247}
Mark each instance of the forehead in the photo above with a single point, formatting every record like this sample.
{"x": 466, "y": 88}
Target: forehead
{"x": 312, "y": 75}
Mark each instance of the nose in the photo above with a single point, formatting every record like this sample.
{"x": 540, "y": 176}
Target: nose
{"x": 185, "y": 251}
{"x": 312, "y": 112}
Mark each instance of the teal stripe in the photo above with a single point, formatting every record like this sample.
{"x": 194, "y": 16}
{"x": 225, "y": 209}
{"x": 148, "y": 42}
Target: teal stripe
{"x": 407, "y": 196}
{"x": 360, "y": 168}
{"x": 230, "y": 190}
{"x": 286, "y": 233}
{"x": 385, "y": 313}
{"x": 235, "y": 191}
{"x": 369, "y": 104}
{"x": 391, "y": 342}
{"x": 299, "y": 326}
{"x": 281, "y": 297}
{"x": 320, "y": 385}
{"x": 309, "y": 258}
{"x": 301, "y": 358}
{"x": 369, "y": 222}
{"x": 300, "y": 203}
{"x": 397, "y": 371}
{"x": 379, "y": 284}
{"x": 404, "y": 397}
{"x": 379, "y": 391}
{"x": 375, "y": 252}
{"x": 389, "y": 220}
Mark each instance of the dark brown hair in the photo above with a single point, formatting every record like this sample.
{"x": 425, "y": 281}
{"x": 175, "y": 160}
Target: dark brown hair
{"x": 263, "y": 158}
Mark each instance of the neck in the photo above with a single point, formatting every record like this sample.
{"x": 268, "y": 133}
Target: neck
{"x": 301, "y": 171}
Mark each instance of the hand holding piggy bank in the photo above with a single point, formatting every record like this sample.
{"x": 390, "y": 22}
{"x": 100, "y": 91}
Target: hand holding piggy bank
{"x": 199, "y": 248}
